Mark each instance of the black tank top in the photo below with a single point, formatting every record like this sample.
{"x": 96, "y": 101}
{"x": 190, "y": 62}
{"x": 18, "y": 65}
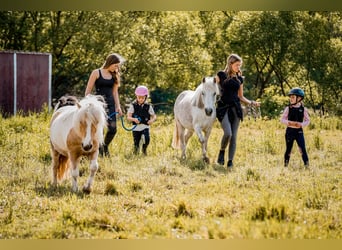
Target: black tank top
{"x": 104, "y": 87}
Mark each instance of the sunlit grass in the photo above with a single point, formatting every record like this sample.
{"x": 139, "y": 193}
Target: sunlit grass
{"x": 159, "y": 196}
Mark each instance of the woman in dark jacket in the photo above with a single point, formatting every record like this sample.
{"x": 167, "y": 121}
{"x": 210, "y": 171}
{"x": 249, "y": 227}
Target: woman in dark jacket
{"x": 229, "y": 111}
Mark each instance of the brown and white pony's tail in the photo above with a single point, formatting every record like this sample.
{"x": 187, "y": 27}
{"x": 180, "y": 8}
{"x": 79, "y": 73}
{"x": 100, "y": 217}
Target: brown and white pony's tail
{"x": 175, "y": 138}
{"x": 62, "y": 167}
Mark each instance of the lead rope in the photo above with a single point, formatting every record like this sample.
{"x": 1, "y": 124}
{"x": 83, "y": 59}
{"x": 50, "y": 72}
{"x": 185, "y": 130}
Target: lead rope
{"x": 253, "y": 111}
{"x": 122, "y": 121}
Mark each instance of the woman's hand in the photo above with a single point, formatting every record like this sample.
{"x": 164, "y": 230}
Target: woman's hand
{"x": 119, "y": 111}
{"x": 256, "y": 104}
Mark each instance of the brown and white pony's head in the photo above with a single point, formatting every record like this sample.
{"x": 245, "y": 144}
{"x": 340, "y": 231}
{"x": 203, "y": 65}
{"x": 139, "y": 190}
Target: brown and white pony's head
{"x": 90, "y": 120}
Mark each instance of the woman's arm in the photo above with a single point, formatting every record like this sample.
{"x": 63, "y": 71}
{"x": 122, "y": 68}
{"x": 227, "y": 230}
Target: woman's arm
{"x": 116, "y": 98}
{"x": 91, "y": 81}
{"x": 244, "y": 99}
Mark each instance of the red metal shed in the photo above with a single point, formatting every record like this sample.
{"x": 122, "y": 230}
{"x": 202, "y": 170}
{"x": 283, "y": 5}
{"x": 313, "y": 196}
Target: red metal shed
{"x": 25, "y": 81}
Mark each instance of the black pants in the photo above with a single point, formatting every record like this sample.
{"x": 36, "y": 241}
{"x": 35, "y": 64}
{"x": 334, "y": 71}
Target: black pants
{"x": 111, "y": 131}
{"x": 137, "y": 136}
{"x": 291, "y": 135}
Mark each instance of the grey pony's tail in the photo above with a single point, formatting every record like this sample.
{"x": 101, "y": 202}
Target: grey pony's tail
{"x": 175, "y": 139}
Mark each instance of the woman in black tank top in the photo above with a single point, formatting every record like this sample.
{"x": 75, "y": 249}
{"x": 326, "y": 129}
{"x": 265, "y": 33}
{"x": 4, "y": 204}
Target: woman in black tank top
{"x": 107, "y": 81}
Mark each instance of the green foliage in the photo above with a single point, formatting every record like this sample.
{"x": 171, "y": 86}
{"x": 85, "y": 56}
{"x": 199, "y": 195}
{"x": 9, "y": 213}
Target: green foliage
{"x": 170, "y": 51}
{"x": 273, "y": 103}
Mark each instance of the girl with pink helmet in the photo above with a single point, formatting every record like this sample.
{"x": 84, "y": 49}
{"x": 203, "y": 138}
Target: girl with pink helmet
{"x": 141, "y": 114}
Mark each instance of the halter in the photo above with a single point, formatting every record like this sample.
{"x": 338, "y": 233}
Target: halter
{"x": 122, "y": 121}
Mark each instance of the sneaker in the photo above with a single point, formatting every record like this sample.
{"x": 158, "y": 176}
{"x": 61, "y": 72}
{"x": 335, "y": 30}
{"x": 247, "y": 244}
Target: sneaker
{"x": 220, "y": 159}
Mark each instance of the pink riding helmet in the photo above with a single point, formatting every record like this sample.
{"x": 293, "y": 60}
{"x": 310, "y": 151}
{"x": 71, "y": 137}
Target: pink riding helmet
{"x": 141, "y": 91}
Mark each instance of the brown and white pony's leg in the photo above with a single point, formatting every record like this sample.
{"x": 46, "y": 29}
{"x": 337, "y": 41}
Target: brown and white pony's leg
{"x": 93, "y": 169}
{"x": 55, "y": 162}
{"x": 74, "y": 172}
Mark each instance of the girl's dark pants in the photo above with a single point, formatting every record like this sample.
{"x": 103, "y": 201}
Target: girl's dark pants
{"x": 291, "y": 135}
{"x": 136, "y": 138}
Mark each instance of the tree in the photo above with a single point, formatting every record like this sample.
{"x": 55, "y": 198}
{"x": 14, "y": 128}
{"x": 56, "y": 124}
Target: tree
{"x": 320, "y": 55}
{"x": 170, "y": 51}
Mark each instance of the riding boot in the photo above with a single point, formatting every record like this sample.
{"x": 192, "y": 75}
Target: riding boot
{"x": 101, "y": 151}
{"x": 306, "y": 164}
{"x": 105, "y": 150}
{"x": 144, "y": 148}
{"x": 220, "y": 159}
{"x": 136, "y": 150}
{"x": 230, "y": 165}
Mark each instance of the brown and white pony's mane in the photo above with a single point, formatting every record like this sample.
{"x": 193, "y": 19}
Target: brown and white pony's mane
{"x": 66, "y": 100}
{"x": 92, "y": 109}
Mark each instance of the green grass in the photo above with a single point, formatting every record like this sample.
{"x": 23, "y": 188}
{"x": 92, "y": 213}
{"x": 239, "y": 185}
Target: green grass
{"x": 158, "y": 196}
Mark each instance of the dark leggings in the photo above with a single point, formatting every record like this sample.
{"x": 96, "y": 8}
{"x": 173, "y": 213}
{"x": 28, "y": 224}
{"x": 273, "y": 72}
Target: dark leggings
{"x": 230, "y": 126}
{"x": 291, "y": 135}
{"x": 111, "y": 131}
{"x": 137, "y": 136}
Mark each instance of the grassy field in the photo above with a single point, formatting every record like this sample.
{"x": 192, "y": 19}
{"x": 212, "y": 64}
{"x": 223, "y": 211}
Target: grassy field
{"x": 159, "y": 197}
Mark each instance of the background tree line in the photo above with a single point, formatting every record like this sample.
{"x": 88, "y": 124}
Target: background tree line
{"x": 172, "y": 51}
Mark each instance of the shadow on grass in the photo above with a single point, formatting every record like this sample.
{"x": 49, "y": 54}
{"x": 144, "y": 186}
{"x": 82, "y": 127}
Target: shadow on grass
{"x": 222, "y": 169}
{"x": 199, "y": 164}
{"x": 59, "y": 191}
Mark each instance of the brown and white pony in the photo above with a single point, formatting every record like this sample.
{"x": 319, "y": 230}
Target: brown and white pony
{"x": 76, "y": 130}
{"x": 195, "y": 112}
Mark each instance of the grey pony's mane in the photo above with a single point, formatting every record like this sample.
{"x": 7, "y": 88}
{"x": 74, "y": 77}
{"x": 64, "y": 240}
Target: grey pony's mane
{"x": 197, "y": 98}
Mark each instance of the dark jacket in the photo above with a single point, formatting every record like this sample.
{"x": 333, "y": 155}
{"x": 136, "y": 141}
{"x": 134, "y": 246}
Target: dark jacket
{"x": 229, "y": 98}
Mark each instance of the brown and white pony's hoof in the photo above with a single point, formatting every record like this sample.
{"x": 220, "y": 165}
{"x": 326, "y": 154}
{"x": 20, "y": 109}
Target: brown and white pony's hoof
{"x": 206, "y": 160}
{"x": 86, "y": 190}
